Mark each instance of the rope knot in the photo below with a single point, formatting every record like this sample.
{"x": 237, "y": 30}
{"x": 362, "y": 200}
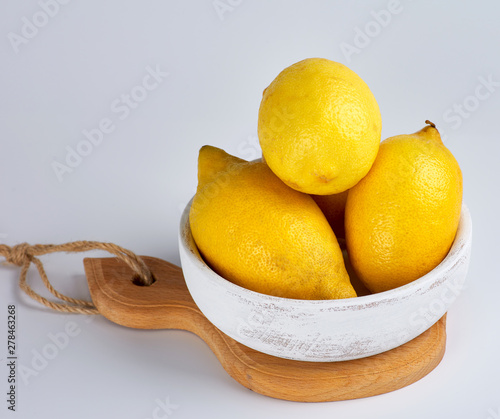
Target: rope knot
{"x": 24, "y": 255}
{"x": 19, "y": 254}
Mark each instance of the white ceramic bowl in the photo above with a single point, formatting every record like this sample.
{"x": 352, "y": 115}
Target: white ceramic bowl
{"x": 326, "y": 330}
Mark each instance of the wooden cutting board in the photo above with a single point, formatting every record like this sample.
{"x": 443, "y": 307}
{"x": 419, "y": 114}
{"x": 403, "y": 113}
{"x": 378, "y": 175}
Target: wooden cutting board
{"x": 167, "y": 304}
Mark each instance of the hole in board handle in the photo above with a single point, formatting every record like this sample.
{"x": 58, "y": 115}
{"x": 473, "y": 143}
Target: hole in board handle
{"x": 136, "y": 280}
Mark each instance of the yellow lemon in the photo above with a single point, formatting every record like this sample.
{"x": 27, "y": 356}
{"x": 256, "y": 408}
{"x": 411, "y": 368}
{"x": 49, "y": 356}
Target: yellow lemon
{"x": 319, "y": 127}
{"x": 402, "y": 217}
{"x": 257, "y": 232}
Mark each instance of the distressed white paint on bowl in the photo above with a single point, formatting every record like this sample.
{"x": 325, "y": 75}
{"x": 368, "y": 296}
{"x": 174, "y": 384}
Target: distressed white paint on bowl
{"x": 326, "y": 330}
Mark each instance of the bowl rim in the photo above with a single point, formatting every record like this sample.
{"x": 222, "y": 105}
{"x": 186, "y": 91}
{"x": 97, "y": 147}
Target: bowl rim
{"x": 458, "y": 247}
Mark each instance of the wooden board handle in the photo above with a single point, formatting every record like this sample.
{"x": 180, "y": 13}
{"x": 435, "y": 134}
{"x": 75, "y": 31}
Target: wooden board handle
{"x": 167, "y": 304}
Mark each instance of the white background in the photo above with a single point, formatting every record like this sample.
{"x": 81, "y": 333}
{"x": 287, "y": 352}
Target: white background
{"x": 424, "y": 62}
